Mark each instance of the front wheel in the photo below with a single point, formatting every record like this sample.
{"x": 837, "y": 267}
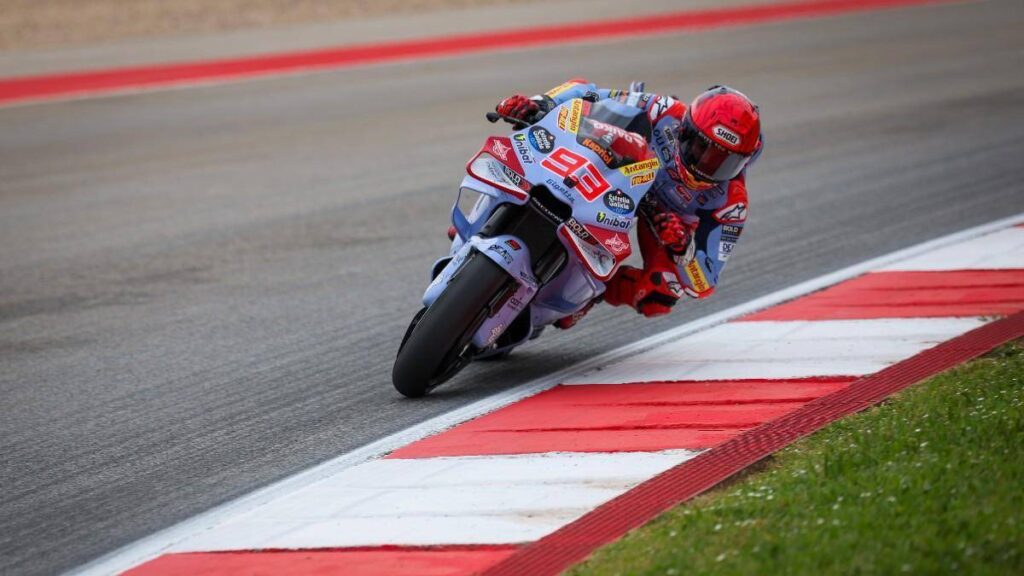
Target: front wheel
{"x": 436, "y": 346}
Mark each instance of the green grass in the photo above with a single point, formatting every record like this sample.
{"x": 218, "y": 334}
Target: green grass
{"x": 930, "y": 482}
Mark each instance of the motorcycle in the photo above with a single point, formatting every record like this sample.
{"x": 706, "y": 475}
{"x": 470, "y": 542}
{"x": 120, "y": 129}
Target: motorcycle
{"x": 542, "y": 221}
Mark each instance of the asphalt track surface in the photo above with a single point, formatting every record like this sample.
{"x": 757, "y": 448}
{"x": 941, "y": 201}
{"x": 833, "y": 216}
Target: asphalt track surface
{"x": 202, "y": 290}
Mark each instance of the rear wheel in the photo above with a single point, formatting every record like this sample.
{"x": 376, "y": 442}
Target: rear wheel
{"x": 437, "y": 344}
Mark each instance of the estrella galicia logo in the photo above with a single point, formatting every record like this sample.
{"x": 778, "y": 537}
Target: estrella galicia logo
{"x": 618, "y": 202}
{"x": 542, "y": 140}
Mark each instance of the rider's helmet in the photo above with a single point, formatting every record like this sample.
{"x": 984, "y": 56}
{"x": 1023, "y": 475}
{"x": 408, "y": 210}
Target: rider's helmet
{"x": 720, "y": 132}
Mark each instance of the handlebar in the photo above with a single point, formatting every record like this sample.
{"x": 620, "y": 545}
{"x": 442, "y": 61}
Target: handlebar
{"x": 516, "y": 123}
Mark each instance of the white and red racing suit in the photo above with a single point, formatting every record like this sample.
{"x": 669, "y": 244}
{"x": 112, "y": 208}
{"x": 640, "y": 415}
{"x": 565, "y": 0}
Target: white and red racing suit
{"x": 714, "y": 213}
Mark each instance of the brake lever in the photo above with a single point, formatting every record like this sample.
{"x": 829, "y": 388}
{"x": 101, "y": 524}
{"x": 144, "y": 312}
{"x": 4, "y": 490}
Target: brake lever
{"x": 516, "y": 123}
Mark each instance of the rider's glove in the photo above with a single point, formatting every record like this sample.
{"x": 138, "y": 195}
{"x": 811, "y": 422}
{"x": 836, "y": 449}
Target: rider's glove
{"x": 650, "y": 293}
{"x": 674, "y": 233}
{"x": 518, "y": 107}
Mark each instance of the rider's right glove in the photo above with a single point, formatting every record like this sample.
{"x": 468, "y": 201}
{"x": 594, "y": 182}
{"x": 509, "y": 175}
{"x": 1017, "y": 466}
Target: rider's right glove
{"x": 673, "y": 232}
{"x": 647, "y": 292}
{"x": 519, "y": 107}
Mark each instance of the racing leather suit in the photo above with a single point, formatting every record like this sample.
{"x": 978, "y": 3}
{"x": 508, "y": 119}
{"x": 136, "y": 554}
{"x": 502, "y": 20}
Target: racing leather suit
{"x": 715, "y": 212}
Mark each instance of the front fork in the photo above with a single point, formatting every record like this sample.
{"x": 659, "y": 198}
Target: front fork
{"x": 520, "y": 241}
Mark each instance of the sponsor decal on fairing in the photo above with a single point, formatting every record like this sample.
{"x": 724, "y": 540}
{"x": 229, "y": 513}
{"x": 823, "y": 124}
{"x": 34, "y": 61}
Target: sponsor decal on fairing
{"x": 541, "y": 140}
{"x": 641, "y": 179}
{"x": 640, "y": 167}
{"x": 500, "y": 150}
{"x": 619, "y": 202}
{"x": 614, "y": 221}
{"x": 519, "y": 141}
{"x": 501, "y": 251}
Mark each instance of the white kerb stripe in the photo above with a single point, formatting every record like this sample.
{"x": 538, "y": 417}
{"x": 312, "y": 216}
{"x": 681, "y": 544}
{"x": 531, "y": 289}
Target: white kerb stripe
{"x": 796, "y": 349}
{"x": 998, "y": 250}
{"x": 463, "y": 500}
{"x": 165, "y": 540}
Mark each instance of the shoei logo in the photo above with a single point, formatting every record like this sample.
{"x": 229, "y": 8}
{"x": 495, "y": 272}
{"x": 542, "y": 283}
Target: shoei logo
{"x": 726, "y": 135}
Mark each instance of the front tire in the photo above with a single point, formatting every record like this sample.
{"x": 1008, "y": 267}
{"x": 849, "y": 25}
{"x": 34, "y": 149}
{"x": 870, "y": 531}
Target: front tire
{"x": 434, "y": 348}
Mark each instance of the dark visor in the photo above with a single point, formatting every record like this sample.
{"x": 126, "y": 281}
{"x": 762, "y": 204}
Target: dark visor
{"x": 706, "y": 159}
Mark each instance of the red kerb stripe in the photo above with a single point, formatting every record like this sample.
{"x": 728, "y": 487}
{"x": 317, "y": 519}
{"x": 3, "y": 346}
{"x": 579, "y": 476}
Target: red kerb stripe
{"x": 377, "y": 561}
{"x": 573, "y": 542}
{"x": 625, "y": 417}
{"x": 909, "y": 295}
{"x": 96, "y": 82}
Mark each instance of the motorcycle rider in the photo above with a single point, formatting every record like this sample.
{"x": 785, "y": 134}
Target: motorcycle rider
{"x": 697, "y": 206}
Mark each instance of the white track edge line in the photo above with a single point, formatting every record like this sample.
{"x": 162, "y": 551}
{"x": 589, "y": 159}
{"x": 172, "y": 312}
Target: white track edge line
{"x": 152, "y": 546}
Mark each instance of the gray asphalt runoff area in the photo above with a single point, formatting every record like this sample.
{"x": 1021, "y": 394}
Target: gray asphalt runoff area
{"x": 202, "y": 290}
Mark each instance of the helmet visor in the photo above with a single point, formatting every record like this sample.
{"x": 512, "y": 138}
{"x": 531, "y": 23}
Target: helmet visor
{"x": 707, "y": 159}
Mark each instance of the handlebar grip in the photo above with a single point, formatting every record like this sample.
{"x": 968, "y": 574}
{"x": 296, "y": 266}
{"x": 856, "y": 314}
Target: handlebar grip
{"x": 493, "y": 117}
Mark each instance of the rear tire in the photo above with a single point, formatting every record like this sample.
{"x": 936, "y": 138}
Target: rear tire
{"x": 433, "y": 349}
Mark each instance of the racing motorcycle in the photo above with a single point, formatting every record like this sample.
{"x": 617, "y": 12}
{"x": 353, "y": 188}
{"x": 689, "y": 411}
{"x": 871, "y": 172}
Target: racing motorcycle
{"x": 541, "y": 221}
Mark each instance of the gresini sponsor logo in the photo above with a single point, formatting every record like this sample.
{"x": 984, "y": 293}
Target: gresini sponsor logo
{"x": 616, "y": 245}
{"x": 500, "y": 150}
{"x": 638, "y": 167}
{"x": 726, "y": 135}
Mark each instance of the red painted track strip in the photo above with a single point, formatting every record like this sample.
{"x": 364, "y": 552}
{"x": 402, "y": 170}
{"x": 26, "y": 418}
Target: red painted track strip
{"x": 625, "y": 417}
{"x": 381, "y": 561}
{"x": 573, "y": 542}
{"x": 97, "y": 82}
{"x": 909, "y": 295}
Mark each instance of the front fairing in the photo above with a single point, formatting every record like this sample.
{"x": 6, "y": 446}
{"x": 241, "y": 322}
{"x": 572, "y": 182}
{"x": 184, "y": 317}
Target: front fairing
{"x": 603, "y": 198}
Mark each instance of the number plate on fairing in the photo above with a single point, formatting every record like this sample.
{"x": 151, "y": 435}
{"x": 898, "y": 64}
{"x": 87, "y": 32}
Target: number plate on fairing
{"x": 603, "y": 196}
